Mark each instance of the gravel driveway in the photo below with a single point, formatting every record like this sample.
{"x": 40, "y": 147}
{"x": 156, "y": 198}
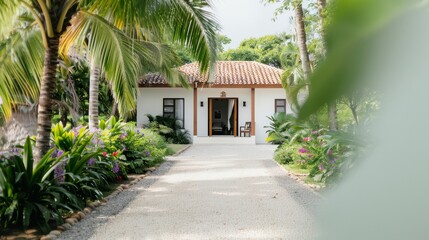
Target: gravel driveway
{"x": 208, "y": 192}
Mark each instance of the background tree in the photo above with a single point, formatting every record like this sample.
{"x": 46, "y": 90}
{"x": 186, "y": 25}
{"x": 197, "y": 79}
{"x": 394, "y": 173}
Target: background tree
{"x": 186, "y": 56}
{"x": 270, "y": 50}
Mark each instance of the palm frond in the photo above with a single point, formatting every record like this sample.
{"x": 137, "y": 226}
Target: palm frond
{"x": 294, "y": 85}
{"x": 113, "y": 51}
{"x": 21, "y": 65}
{"x": 161, "y": 59}
{"x": 197, "y": 31}
{"x": 9, "y": 11}
{"x": 184, "y": 21}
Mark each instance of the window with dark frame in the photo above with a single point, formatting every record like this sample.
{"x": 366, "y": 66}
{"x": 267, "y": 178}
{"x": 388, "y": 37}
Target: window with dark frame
{"x": 280, "y": 105}
{"x": 174, "y": 108}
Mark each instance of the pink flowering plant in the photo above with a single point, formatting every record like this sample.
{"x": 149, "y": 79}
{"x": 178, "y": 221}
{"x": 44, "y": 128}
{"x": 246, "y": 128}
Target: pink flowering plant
{"x": 313, "y": 150}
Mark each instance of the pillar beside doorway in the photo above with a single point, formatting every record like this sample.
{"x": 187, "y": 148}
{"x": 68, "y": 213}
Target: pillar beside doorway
{"x": 252, "y": 126}
{"x": 195, "y": 110}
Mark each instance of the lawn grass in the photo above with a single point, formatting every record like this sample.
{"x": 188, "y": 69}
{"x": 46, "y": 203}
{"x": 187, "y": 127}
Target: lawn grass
{"x": 296, "y": 169}
{"x": 175, "y": 148}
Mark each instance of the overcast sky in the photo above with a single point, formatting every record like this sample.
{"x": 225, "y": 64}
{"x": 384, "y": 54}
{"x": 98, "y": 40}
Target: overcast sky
{"x": 242, "y": 19}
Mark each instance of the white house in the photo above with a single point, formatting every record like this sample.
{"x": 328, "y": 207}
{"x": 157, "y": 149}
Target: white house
{"x": 218, "y": 111}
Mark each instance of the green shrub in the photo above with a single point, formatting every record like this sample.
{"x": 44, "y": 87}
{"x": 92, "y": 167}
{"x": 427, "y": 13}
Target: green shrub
{"x": 282, "y": 127}
{"x": 142, "y": 148}
{"x": 169, "y": 129}
{"x": 110, "y": 139}
{"x": 27, "y": 196}
{"x": 287, "y": 153}
{"x": 136, "y": 149}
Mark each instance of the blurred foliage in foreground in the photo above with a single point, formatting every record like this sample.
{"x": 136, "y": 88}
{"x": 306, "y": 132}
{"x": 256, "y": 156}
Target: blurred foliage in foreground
{"x": 380, "y": 44}
{"x": 354, "y": 27}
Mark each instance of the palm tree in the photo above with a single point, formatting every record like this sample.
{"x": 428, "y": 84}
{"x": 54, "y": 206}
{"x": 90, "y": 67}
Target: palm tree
{"x": 302, "y": 38}
{"x": 332, "y": 107}
{"x": 94, "y": 80}
{"x": 110, "y": 47}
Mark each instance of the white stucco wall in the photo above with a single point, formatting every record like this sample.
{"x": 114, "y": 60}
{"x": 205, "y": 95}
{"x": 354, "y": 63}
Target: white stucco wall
{"x": 264, "y": 98}
{"x": 244, "y": 113}
{"x": 150, "y": 101}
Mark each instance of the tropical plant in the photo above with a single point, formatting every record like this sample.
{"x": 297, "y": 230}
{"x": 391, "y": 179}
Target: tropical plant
{"x": 296, "y": 80}
{"x": 283, "y": 127}
{"x": 140, "y": 151}
{"x": 286, "y": 153}
{"x": 81, "y": 161}
{"x": 301, "y": 34}
{"x": 169, "y": 128}
{"x": 110, "y": 47}
{"x": 27, "y": 196}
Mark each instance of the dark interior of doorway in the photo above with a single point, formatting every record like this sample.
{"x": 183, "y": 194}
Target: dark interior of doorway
{"x": 222, "y": 117}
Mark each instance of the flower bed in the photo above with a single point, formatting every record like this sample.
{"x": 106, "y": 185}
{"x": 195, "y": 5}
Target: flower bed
{"x": 80, "y": 166}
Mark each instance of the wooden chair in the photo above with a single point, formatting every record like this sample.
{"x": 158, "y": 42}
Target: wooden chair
{"x": 245, "y": 129}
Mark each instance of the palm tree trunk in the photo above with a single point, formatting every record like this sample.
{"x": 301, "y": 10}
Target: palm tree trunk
{"x": 302, "y": 40}
{"x": 93, "y": 95}
{"x": 44, "y": 112}
{"x": 332, "y": 116}
{"x": 321, "y": 4}
{"x": 332, "y": 107}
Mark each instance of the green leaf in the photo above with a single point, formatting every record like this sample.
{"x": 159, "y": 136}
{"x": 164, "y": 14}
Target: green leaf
{"x": 350, "y": 36}
{"x": 28, "y": 158}
{"x": 28, "y": 210}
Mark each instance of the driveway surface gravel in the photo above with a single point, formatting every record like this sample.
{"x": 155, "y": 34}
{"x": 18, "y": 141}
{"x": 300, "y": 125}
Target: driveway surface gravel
{"x": 208, "y": 192}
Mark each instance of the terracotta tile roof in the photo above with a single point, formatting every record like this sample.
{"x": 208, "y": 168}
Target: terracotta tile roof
{"x": 227, "y": 73}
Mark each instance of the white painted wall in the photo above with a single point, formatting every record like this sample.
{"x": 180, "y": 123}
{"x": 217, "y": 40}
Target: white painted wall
{"x": 150, "y": 101}
{"x": 244, "y": 113}
{"x": 264, "y": 98}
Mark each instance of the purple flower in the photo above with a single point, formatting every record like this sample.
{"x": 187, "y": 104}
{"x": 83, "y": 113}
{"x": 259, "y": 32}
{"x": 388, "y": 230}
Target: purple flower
{"x": 140, "y": 132}
{"x": 14, "y": 151}
{"x": 332, "y": 161}
{"x": 124, "y": 149}
{"x": 59, "y": 172}
{"x": 115, "y": 167}
{"x": 59, "y": 153}
{"x": 76, "y": 131}
{"x": 330, "y": 152}
{"x": 321, "y": 167}
{"x": 310, "y": 155}
{"x": 147, "y": 154}
{"x": 91, "y": 162}
{"x": 302, "y": 150}
{"x": 124, "y": 135}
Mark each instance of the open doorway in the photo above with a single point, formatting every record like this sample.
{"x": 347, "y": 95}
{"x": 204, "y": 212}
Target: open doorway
{"x": 223, "y": 116}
